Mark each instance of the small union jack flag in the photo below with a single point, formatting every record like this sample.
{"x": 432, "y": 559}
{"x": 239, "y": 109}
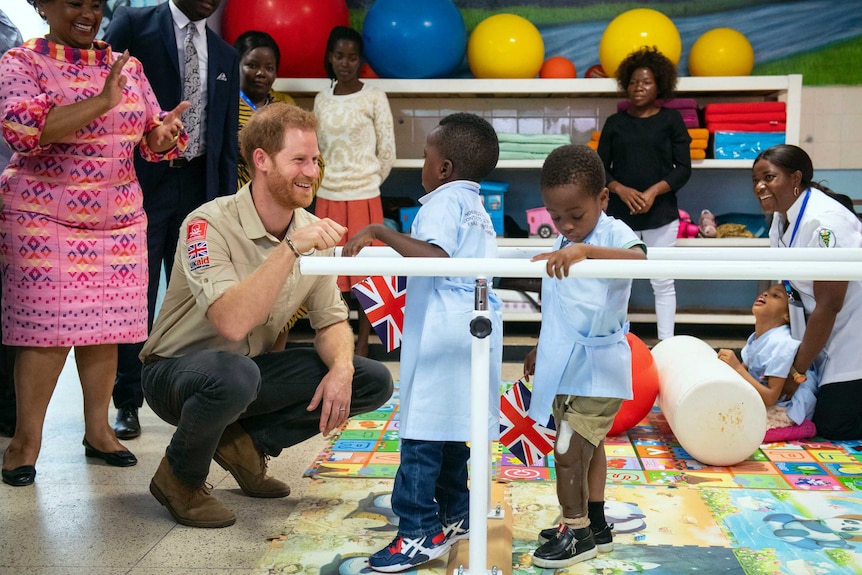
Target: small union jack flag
{"x": 526, "y": 439}
{"x": 382, "y": 299}
{"x": 197, "y": 250}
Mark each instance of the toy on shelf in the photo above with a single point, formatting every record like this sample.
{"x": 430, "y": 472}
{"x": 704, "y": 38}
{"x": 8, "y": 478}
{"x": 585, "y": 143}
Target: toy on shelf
{"x": 300, "y": 27}
{"x": 492, "y": 194}
{"x": 540, "y": 224}
{"x": 707, "y": 225}
{"x": 721, "y": 52}
{"x": 558, "y": 67}
{"x": 505, "y": 46}
{"x": 686, "y": 228}
{"x": 396, "y": 35}
{"x": 634, "y": 29}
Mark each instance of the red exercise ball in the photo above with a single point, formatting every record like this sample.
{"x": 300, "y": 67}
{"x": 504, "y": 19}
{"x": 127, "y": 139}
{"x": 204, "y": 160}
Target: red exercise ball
{"x": 558, "y": 67}
{"x": 595, "y": 71}
{"x": 366, "y": 71}
{"x": 299, "y": 27}
{"x": 644, "y": 386}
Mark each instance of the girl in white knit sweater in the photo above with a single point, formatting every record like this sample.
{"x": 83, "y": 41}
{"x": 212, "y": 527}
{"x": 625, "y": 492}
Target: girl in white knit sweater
{"x": 356, "y": 137}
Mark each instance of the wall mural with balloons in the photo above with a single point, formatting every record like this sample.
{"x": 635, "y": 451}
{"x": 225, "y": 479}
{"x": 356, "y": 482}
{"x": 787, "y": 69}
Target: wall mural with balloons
{"x": 820, "y": 39}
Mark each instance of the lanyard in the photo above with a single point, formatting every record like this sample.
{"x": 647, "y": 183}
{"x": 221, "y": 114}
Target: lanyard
{"x": 799, "y": 217}
{"x": 793, "y": 237}
{"x": 254, "y": 108}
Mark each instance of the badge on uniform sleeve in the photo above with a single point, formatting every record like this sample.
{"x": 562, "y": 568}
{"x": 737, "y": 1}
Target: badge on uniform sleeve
{"x": 827, "y": 238}
{"x": 196, "y": 245}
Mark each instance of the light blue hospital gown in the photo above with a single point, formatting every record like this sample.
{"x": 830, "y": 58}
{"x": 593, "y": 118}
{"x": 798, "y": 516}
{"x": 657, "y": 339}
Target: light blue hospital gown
{"x": 436, "y": 343}
{"x": 582, "y": 346}
{"x": 771, "y": 355}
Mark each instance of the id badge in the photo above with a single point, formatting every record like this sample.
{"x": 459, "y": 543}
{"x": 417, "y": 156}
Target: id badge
{"x": 797, "y": 319}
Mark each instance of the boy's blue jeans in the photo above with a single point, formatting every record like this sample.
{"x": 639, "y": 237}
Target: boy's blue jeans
{"x": 431, "y": 486}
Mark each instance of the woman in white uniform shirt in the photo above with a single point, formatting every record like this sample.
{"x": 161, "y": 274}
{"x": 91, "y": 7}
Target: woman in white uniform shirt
{"x": 807, "y": 216}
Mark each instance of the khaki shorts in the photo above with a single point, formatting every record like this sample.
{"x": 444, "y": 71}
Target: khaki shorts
{"x": 589, "y": 417}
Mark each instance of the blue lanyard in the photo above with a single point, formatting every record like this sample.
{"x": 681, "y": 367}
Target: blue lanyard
{"x": 786, "y": 283}
{"x": 250, "y": 105}
{"x": 799, "y": 217}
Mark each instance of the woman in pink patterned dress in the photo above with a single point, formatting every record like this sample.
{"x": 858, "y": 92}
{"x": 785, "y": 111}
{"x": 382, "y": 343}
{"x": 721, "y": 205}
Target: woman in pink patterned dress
{"x": 72, "y": 227}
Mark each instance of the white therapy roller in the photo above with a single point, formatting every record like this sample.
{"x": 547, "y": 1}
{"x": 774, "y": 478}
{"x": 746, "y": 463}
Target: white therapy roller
{"x": 714, "y": 413}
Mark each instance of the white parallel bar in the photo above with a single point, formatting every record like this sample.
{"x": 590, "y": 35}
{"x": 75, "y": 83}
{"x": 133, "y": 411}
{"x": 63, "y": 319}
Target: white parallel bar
{"x": 706, "y": 254}
{"x": 757, "y": 254}
{"x": 636, "y": 269}
{"x": 480, "y": 456}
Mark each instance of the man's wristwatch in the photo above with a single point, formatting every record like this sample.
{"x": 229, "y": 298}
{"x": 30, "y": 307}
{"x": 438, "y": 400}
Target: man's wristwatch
{"x": 797, "y": 377}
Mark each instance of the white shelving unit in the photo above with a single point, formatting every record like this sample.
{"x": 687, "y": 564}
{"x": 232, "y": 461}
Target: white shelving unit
{"x": 447, "y": 91}
{"x": 596, "y": 99}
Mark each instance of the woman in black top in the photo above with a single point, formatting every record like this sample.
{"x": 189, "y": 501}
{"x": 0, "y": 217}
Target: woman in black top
{"x": 645, "y": 150}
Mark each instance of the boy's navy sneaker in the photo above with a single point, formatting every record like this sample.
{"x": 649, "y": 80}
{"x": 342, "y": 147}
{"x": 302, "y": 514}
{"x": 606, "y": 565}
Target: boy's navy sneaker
{"x": 567, "y": 547}
{"x": 405, "y": 553}
{"x": 604, "y": 538}
{"x": 457, "y": 531}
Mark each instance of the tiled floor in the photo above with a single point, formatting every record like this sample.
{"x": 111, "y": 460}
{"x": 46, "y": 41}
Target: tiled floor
{"x": 87, "y": 518}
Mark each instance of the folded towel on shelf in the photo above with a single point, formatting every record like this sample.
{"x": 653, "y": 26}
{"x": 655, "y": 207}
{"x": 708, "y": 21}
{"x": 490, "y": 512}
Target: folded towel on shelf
{"x": 745, "y": 107}
{"x": 532, "y": 148}
{"x": 690, "y": 118}
{"x": 559, "y": 139}
{"x": 697, "y": 154}
{"x": 675, "y": 103}
{"x": 680, "y": 103}
{"x": 686, "y": 107}
{"x": 747, "y": 127}
{"x": 699, "y": 144}
{"x": 514, "y": 155}
{"x": 744, "y": 145}
{"x": 748, "y": 117}
{"x": 698, "y": 133}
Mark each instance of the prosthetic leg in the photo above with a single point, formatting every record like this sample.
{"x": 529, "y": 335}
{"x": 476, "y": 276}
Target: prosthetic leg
{"x": 574, "y": 540}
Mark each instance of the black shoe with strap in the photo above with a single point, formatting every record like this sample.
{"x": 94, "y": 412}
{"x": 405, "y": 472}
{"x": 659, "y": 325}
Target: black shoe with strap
{"x": 127, "y": 425}
{"x": 568, "y": 546}
{"x": 604, "y": 537}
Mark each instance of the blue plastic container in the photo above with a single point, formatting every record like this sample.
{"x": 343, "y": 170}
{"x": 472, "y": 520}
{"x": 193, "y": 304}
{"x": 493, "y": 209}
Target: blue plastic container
{"x": 492, "y": 197}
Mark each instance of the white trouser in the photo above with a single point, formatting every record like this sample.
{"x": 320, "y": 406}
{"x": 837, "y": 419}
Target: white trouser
{"x": 663, "y": 289}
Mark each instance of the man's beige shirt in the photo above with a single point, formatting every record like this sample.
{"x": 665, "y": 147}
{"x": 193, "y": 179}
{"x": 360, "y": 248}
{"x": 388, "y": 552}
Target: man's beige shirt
{"x": 222, "y": 243}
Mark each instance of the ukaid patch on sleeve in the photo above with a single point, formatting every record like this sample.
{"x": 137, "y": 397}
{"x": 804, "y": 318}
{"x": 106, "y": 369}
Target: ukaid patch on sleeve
{"x": 197, "y": 249}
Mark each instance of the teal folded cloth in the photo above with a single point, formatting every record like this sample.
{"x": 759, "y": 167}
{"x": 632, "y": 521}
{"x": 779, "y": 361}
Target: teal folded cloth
{"x": 504, "y": 155}
{"x": 558, "y": 139}
{"x": 534, "y": 148}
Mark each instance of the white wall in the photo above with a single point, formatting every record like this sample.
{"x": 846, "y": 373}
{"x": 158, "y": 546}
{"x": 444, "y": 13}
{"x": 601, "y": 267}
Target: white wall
{"x": 24, "y": 16}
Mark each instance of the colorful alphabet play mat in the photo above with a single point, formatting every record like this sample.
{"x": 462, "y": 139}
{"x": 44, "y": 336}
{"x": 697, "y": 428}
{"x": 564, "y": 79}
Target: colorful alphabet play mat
{"x": 792, "y": 508}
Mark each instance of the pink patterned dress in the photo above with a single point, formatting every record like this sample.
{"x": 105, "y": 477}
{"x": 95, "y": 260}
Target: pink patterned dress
{"x": 73, "y": 242}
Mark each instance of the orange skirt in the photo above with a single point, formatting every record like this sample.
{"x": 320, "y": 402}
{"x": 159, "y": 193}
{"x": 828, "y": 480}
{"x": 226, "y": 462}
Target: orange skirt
{"x": 354, "y": 215}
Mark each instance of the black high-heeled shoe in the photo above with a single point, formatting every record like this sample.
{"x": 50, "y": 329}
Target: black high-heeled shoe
{"x": 115, "y": 458}
{"x": 20, "y": 476}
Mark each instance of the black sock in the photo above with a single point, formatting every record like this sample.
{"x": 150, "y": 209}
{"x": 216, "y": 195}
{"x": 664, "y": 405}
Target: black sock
{"x": 596, "y": 513}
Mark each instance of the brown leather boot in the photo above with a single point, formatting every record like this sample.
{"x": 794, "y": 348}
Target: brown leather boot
{"x": 237, "y": 454}
{"x": 192, "y": 506}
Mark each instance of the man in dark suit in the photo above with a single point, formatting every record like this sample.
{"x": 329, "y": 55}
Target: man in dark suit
{"x": 183, "y": 60}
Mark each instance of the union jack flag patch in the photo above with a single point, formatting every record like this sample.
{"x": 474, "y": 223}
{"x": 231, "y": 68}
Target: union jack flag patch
{"x": 199, "y": 256}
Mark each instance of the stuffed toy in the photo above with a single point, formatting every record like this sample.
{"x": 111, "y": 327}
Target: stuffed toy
{"x": 686, "y": 228}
